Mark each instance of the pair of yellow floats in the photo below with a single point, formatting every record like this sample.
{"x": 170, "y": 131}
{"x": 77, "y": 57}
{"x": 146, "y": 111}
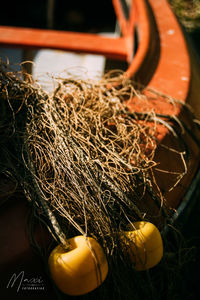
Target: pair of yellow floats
{"x": 84, "y": 266}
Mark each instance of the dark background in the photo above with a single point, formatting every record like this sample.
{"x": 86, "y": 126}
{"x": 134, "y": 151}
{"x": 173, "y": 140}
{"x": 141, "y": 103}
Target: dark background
{"x": 68, "y": 15}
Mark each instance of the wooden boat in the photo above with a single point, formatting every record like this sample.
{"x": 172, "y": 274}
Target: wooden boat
{"x": 160, "y": 58}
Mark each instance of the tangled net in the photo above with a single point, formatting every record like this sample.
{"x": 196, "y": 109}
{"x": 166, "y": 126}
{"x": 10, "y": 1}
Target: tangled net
{"x": 83, "y": 159}
{"x": 90, "y": 156}
{"x": 84, "y": 156}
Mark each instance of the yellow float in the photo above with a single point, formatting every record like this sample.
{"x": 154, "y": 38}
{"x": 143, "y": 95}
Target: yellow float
{"x": 144, "y": 245}
{"x": 80, "y": 269}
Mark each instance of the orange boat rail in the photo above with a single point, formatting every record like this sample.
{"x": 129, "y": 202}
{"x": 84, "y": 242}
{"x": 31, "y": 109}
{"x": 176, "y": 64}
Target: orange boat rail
{"x": 71, "y": 41}
{"x": 169, "y": 33}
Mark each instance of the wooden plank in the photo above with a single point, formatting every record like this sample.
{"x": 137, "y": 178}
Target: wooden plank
{"x": 71, "y": 41}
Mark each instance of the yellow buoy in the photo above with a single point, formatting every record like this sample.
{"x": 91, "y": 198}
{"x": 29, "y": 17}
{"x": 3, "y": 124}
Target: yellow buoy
{"x": 81, "y": 269}
{"x": 144, "y": 245}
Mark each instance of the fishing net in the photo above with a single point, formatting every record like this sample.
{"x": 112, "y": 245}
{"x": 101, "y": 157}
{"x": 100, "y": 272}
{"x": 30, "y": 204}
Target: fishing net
{"x": 82, "y": 158}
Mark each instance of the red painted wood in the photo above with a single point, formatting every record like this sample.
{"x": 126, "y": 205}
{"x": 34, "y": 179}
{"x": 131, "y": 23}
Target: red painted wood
{"x": 70, "y": 41}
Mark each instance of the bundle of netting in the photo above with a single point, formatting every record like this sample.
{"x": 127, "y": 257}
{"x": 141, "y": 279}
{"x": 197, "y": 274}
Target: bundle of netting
{"x": 84, "y": 156}
{"x": 81, "y": 155}
{"x": 90, "y": 158}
